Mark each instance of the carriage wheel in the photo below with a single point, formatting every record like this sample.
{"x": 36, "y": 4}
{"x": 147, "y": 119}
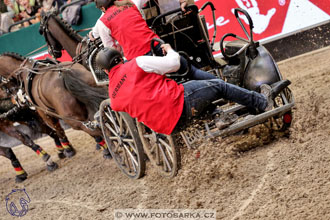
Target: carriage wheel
{"x": 161, "y": 150}
{"x": 123, "y": 140}
{"x": 282, "y": 123}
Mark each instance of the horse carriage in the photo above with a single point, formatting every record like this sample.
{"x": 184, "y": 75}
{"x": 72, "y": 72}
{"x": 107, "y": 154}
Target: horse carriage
{"x": 246, "y": 63}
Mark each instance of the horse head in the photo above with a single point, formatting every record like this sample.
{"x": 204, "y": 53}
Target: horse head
{"x": 58, "y": 34}
{"x": 54, "y": 46}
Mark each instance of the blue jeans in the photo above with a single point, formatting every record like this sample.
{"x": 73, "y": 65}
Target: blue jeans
{"x": 199, "y": 94}
{"x": 194, "y": 72}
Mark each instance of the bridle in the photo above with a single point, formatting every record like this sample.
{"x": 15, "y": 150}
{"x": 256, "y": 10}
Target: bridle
{"x": 54, "y": 48}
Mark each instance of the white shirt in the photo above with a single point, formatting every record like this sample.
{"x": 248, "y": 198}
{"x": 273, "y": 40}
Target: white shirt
{"x": 160, "y": 65}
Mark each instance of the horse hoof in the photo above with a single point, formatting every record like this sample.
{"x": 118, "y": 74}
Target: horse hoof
{"x": 69, "y": 152}
{"x": 20, "y": 178}
{"x": 98, "y": 146}
{"x": 52, "y": 167}
{"x": 106, "y": 154}
{"x": 61, "y": 155}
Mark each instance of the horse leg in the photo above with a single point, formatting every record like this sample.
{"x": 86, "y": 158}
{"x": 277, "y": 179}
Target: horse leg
{"x": 26, "y": 140}
{"x": 100, "y": 144}
{"x": 21, "y": 175}
{"x": 63, "y": 145}
{"x": 96, "y": 134}
{"x": 52, "y": 133}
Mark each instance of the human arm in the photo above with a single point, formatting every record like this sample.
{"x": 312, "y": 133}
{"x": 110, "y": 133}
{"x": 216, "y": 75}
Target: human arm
{"x": 102, "y": 31}
{"x": 160, "y": 65}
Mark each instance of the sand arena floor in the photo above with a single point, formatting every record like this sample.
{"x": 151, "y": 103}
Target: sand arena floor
{"x": 242, "y": 177}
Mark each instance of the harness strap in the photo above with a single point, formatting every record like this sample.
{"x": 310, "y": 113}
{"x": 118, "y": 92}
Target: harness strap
{"x": 40, "y": 96}
{"x": 28, "y": 88}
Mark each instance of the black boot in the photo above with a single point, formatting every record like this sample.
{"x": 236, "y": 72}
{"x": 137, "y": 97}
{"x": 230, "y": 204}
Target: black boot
{"x": 272, "y": 91}
{"x": 278, "y": 87}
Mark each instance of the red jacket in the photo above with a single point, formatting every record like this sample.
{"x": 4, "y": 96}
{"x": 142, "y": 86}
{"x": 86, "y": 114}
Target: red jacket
{"x": 153, "y": 99}
{"x": 129, "y": 28}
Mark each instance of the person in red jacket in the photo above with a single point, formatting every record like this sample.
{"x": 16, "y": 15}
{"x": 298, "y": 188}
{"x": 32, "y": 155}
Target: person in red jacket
{"x": 122, "y": 22}
{"x": 141, "y": 88}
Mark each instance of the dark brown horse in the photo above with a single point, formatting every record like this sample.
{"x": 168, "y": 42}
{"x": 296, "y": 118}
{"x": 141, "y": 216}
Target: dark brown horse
{"x": 58, "y": 91}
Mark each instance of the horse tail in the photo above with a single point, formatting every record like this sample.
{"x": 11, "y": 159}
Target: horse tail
{"x": 86, "y": 94}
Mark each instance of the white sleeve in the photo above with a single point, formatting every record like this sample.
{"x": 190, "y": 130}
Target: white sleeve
{"x": 95, "y": 30}
{"x": 105, "y": 34}
{"x": 160, "y": 65}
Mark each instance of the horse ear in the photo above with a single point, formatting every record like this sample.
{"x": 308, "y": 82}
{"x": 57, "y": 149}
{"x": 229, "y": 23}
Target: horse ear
{"x": 55, "y": 9}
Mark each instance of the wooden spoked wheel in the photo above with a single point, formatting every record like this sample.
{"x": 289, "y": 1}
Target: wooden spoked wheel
{"x": 122, "y": 139}
{"x": 161, "y": 150}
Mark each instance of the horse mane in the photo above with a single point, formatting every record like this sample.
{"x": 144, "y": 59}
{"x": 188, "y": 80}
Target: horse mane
{"x": 68, "y": 28}
{"x": 13, "y": 55}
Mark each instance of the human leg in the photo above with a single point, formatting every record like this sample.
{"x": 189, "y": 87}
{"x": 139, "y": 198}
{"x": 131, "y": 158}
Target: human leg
{"x": 194, "y": 72}
{"x": 199, "y": 94}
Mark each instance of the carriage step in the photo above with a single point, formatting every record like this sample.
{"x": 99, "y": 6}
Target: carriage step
{"x": 250, "y": 121}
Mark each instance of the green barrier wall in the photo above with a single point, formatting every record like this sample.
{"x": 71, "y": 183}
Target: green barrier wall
{"x": 28, "y": 39}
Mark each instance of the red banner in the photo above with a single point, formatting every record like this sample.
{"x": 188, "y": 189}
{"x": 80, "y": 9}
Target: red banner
{"x": 269, "y": 17}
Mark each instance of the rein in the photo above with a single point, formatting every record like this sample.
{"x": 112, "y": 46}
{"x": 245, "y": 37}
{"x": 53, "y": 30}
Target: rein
{"x": 45, "y": 45}
{"x": 38, "y": 70}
